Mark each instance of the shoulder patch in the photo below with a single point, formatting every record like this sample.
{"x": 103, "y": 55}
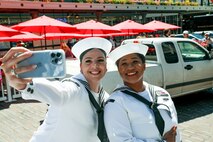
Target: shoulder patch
{"x": 110, "y": 100}
{"x": 161, "y": 93}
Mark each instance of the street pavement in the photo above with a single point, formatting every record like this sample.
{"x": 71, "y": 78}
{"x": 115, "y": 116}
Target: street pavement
{"x": 20, "y": 118}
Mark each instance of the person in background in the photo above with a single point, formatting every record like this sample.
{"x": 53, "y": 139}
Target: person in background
{"x": 208, "y": 41}
{"x": 137, "y": 111}
{"x": 139, "y": 37}
{"x": 66, "y": 49}
{"x": 70, "y": 44}
{"x": 185, "y": 34}
{"x": 20, "y": 44}
{"x": 71, "y": 115}
{"x": 167, "y": 33}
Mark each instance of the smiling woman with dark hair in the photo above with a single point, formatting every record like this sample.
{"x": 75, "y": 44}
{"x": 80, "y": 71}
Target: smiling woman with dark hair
{"x": 75, "y": 110}
{"x": 137, "y": 111}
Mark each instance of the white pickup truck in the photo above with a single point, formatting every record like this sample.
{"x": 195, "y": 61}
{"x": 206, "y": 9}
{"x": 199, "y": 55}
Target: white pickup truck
{"x": 179, "y": 65}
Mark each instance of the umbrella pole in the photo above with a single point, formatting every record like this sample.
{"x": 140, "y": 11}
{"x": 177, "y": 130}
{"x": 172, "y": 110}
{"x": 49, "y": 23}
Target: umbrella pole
{"x": 45, "y": 37}
{"x": 45, "y": 42}
{"x": 92, "y": 33}
{"x": 128, "y": 34}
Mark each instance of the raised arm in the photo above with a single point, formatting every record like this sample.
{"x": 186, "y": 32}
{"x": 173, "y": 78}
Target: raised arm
{"x": 9, "y": 62}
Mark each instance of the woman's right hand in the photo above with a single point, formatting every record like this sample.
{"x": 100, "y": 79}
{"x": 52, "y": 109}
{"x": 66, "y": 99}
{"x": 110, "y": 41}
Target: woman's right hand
{"x": 170, "y": 136}
{"x": 9, "y": 62}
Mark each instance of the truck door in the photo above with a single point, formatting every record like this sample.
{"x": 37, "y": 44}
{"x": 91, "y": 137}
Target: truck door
{"x": 198, "y": 68}
{"x": 172, "y": 69}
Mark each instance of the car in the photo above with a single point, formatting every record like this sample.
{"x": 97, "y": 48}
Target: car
{"x": 194, "y": 36}
{"x": 201, "y": 33}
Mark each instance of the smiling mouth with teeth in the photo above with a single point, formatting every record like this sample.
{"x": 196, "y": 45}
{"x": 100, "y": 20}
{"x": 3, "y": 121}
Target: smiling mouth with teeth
{"x": 95, "y": 72}
{"x": 131, "y": 73}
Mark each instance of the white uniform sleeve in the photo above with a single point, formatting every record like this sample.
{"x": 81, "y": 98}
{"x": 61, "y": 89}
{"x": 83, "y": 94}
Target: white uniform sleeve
{"x": 118, "y": 125}
{"x": 178, "y": 136}
{"x": 50, "y": 92}
{"x": 174, "y": 114}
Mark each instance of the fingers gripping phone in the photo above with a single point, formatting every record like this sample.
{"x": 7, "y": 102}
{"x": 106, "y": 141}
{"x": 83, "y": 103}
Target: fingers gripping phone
{"x": 50, "y": 64}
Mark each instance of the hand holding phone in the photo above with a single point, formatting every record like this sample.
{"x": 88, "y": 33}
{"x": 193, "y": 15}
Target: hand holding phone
{"x": 50, "y": 64}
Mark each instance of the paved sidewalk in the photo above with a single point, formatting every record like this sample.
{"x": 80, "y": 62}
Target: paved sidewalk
{"x": 195, "y": 114}
{"x": 19, "y": 119}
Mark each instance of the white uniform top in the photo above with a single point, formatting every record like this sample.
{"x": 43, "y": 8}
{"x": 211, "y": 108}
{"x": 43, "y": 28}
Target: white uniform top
{"x": 127, "y": 119}
{"x": 71, "y": 117}
{"x": 208, "y": 40}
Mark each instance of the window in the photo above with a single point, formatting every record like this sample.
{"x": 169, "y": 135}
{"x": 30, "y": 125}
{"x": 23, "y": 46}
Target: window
{"x": 151, "y": 53}
{"x": 170, "y": 53}
{"x": 191, "y": 51}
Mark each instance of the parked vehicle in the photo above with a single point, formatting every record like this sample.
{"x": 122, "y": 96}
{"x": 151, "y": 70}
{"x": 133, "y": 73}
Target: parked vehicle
{"x": 179, "y": 65}
{"x": 193, "y": 36}
{"x": 196, "y": 37}
{"x": 203, "y": 32}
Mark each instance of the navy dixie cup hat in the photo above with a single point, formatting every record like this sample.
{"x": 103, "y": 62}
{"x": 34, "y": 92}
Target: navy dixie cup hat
{"x": 89, "y": 43}
{"x": 126, "y": 49}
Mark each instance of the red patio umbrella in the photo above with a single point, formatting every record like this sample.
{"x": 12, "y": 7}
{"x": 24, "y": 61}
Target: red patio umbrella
{"x": 122, "y": 34}
{"x": 51, "y": 36}
{"x": 43, "y": 25}
{"x": 130, "y": 26}
{"x": 7, "y": 32}
{"x": 158, "y": 25}
{"x": 25, "y": 36}
{"x": 93, "y": 27}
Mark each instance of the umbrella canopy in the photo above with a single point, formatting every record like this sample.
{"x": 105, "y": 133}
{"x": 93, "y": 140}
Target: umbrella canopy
{"x": 130, "y": 26}
{"x": 25, "y": 36}
{"x": 122, "y": 34}
{"x": 7, "y": 32}
{"x": 45, "y": 25}
{"x": 92, "y": 27}
{"x": 158, "y": 25}
{"x": 51, "y": 36}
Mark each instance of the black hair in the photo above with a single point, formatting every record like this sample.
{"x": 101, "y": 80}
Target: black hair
{"x": 166, "y": 31}
{"x": 141, "y": 56}
{"x": 83, "y": 53}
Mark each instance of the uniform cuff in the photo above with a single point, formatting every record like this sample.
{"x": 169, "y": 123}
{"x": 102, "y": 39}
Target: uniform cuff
{"x": 29, "y": 88}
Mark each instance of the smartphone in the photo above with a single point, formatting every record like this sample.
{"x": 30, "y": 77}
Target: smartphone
{"x": 50, "y": 64}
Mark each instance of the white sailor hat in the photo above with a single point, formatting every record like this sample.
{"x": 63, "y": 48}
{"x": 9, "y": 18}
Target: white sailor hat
{"x": 185, "y": 32}
{"x": 126, "y": 49}
{"x": 207, "y": 33}
{"x": 89, "y": 43}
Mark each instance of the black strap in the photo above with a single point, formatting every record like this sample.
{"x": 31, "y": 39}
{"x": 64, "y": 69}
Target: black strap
{"x": 102, "y": 135}
{"x": 153, "y": 106}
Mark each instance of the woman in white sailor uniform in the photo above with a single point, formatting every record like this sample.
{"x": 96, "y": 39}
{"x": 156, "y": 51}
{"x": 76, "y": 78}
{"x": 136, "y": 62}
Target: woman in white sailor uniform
{"x": 137, "y": 111}
{"x": 71, "y": 116}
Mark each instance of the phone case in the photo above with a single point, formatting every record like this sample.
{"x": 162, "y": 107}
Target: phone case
{"x": 50, "y": 64}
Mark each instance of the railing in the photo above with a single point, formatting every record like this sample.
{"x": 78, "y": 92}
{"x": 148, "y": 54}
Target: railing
{"x": 7, "y": 93}
{"x": 140, "y": 2}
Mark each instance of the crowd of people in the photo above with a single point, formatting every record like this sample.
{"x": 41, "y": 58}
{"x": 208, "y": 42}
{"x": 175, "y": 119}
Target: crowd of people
{"x": 79, "y": 108}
